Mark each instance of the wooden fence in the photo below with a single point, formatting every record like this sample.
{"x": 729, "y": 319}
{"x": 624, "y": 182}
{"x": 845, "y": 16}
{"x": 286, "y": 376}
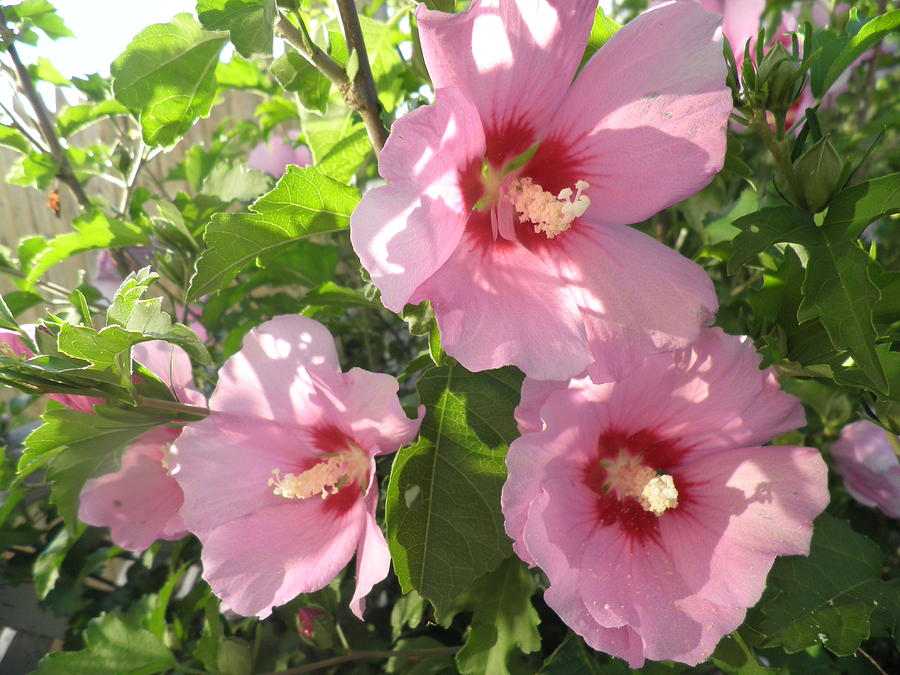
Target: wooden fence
{"x": 24, "y": 211}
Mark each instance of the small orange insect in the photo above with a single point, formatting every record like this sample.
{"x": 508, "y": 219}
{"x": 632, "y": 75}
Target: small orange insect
{"x": 54, "y": 202}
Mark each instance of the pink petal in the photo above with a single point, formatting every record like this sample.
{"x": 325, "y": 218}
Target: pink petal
{"x": 658, "y": 130}
{"x": 571, "y": 430}
{"x": 404, "y": 231}
{"x": 866, "y": 460}
{"x": 483, "y": 299}
{"x": 13, "y": 341}
{"x": 225, "y": 461}
{"x": 373, "y": 559}
{"x": 273, "y": 376}
{"x": 748, "y": 506}
{"x": 709, "y": 397}
{"x": 636, "y": 296}
{"x": 140, "y": 502}
{"x": 514, "y": 59}
{"x": 378, "y": 420}
{"x": 274, "y": 553}
{"x": 534, "y": 394}
{"x": 273, "y": 156}
{"x": 173, "y": 366}
{"x": 740, "y": 20}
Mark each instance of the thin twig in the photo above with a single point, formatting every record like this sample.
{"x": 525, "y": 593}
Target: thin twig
{"x": 368, "y": 654}
{"x": 872, "y": 661}
{"x": 131, "y": 181}
{"x": 354, "y": 96}
{"x": 22, "y": 130}
{"x": 365, "y": 84}
{"x": 870, "y": 73}
{"x": 64, "y": 173}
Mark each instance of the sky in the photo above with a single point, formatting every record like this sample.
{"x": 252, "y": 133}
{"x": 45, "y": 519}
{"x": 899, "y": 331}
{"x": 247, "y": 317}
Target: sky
{"x": 103, "y": 28}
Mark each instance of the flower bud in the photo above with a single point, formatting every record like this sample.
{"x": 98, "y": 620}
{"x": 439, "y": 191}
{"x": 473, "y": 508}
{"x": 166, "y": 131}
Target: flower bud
{"x": 780, "y": 78}
{"x": 818, "y": 172}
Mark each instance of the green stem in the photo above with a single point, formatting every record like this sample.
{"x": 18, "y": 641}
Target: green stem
{"x": 192, "y": 411}
{"x": 780, "y": 151}
{"x": 360, "y": 655}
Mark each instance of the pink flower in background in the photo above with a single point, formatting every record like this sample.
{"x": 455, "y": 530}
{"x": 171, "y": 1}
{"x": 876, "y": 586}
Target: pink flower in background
{"x": 273, "y": 155}
{"x": 866, "y": 459}
{"x": 140, "y": 502}
{"x": 527, "y": 261}
{"x": 279, "y": 481}
{"x": 13, "y": 341}
{"x": 740, "y": 21}
{"x": 649, "y": 503}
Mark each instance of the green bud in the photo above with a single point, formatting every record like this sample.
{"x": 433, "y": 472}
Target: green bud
{"x": 818, "y": 172}
{"x": 780, "y": 78}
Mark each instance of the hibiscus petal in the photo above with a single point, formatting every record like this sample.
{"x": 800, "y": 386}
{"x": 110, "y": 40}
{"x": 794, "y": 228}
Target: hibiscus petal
{"x": 709, "y": 398}
{"x": 636, "y": 296}
{"x": 275, "y": 374}
{"x": 514, "y": 59}
{"x": 404, "y": 231}
{"x": 505, "y": 306}
{"x": 272, "y": 554}
{"x": 658, "y": 129}
{"x": 172, "y": 365}
{"x": 373, "y": 559}
{"x": 140, "y": 502}
{"x": 379, "y": 422}
{"x": 747, "y": 506}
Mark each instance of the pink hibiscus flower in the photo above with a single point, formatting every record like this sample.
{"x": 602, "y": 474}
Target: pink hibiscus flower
{"x": 13, "y": 342}
{"x": 527, "y": 261}
{"x": 740, "y": 21}
{"x": 139, "y": 503}
{"x": 649, "y": 504}
{"x": 867, "y": 460}
{"x": 279, "y": 480}
{"x": 274, "y": 155}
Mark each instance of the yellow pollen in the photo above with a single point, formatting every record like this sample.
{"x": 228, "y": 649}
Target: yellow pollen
{"x": 654, "y": 492}
{"x": 550, "y": 214}
{"x": 325, "y": 478}
{"x": 659, "y": 495}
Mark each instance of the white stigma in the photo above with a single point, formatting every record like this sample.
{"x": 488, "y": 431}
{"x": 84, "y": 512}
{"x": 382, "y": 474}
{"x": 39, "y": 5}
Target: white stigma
{"x": 325, "y": 478}
{"x": 659, "y": 495}
{"x": 550, "y": 214}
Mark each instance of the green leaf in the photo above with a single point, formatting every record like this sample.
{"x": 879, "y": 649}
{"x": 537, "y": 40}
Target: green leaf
{"x": 46, "y": 71}
{"x": 503, "y": 620}
{"x": 37, "y": 169}
{"x": 330, "y": 294}
{"x": 853, "y": 209}
{"x": 733, "y": 655}
{"x": 837, "y": 289}
{"x": 831, "y": 45}
{"x": 869, "y": 34}
{"x": 573, "y": 656}
{"x": 79, "y": 446}
{"x": 303, "y": 203}
{"x": 7, "y": 319}
{"x": 13, "y": 138}
{"x": 46, "y": 565}
{"x": 339, "y": 145}
{"x": 829, "y": 596}
{"x": 167, "y": 76}
{"x": 250, "y": 23}
{"x": 93, "y": 230}
{"x": 235, "y": 181}
{"x": 444, "y": 524}
{"x": 768, "y": 226}
{"x": 602, "y": 30}
{"x": 115, "y": 645}
{"x": 42, "y": 14}
{"x": 296, "y": 74}
{"x": 72, "y": 118}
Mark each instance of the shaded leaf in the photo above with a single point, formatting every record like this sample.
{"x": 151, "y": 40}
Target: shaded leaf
{"x": 827, "y": 597}
{"x": 867, "y": 36}
{"x": 853, "y": 209}
{"x": 296, "y": 74}
{"x": 503, "y": 619}
{"x": 115, "y": 645}
{"x": 444, "y": 524}
{"x": 768, "y": 226}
